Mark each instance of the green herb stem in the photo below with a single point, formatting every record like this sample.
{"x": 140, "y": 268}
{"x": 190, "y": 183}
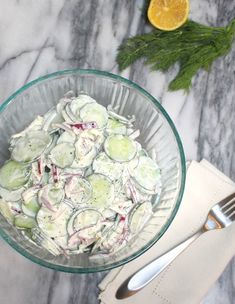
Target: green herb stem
{"x": 194, "y": 46}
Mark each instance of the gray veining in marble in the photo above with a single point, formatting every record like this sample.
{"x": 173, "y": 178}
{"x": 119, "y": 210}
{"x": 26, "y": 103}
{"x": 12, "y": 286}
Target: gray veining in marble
{"x": 39, "y": 37}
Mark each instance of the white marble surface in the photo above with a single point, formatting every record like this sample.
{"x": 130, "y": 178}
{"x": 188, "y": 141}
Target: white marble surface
{"x": 39, "y": 37}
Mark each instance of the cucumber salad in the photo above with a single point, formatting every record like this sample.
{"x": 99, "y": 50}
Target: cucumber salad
{"x": 78, "y": 181}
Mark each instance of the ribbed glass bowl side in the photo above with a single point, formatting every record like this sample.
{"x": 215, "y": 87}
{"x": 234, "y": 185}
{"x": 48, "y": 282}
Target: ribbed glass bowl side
{"x": 157, "y": 133}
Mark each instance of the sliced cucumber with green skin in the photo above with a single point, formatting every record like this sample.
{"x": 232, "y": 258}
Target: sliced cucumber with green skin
{"x": 6, "y": 211}
{"x": 67, "y": 137}
{"x": 106, "y": 166}
{"x": 102, "y": 191}
{"x": 30, "y": 205}
{"x": 120, "y": 148}
{"x": 54, "y": 224}
{"x": 30, "y": 209}
{"x": 146, "y": 192}
{"x": 14, "y": 175}
{"x": 86, "y": 218}
{"x": 139, "y": 217}
{"x": 77, "y": 103}
{"x": 82, "y": 219}
{"x": 78, "y": 190}
{"x": 85, "y": 227}
{"x": 147, "y": 174}
{"x": 52, "y": 194}
{"x": 62, "y": 155}
{"x": 94, "y": 112}
{"x": 31, "y": 146}
{"x": 24, "y": 222}
{"x": 11, "y": 196}
{"x": 114, "y": 126}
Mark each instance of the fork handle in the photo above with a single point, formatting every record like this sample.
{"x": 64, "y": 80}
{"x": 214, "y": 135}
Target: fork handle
{"x": 146, "y": 274}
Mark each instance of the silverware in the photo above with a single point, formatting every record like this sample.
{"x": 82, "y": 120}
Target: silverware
{"x": 220, "y": 216}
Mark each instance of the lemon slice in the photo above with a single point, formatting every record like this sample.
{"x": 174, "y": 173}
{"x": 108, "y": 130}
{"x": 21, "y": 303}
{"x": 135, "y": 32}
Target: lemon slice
{"x": 168, "y": 15}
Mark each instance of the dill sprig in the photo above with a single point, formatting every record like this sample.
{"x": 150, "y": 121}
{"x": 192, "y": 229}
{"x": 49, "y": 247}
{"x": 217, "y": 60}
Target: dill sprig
{"x": 194, "y": 46}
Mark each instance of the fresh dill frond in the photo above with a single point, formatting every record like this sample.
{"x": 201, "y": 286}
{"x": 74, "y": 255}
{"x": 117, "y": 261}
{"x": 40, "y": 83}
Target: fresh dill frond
{"x": 194, "y": 46}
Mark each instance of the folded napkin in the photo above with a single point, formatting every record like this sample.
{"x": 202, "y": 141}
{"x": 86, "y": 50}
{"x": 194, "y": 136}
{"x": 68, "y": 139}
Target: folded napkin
{"x": 190, "y": 275}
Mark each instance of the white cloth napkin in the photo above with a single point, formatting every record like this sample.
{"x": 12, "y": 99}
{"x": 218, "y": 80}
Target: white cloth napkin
{"x": 190, "y": 275}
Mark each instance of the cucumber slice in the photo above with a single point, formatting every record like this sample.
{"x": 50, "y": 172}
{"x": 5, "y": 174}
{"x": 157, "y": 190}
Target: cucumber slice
{"x": 77, "y": 103}
{"x": 11, "y": 196}
{"x": 78, "y": 190}
{"x": 106, "y": 166}
{"x": 86, "y": 218}
{"x": 30, "y": 205}
{"x": 24, "y": 222}
{"x": 114, "y": 126}
{"x": 102, "y": 191}
{"x": 31, "y": 209}
{"x": 94, "y": 112}
{"x": 6, "y": 211}
{"x": 54, "y": 224}
{"x": 31, "y": 146}
{"x": 51, "y": 195}
{"x": 120, "y": 148}
{"x": 84, "y": 227}
{"x": 139, "y": 217}
{"x": 147, "y": 174}
{"x": 14, "y": 175}
{"x": 82, "y": 219}
{"x": 67, "y": 137}
{"x": 62, "y": 155}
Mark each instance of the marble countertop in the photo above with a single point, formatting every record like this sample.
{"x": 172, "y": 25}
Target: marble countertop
{"x": 39, "y": 37}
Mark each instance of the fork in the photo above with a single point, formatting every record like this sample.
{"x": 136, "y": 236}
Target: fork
{"x": 220, "y": 216}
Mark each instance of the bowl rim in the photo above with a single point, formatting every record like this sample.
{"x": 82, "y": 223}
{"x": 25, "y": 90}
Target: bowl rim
{"x": 157, "y": 104}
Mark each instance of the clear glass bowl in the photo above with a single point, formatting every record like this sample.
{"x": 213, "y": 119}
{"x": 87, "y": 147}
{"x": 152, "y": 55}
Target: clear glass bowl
{"x": 157, "y": 132}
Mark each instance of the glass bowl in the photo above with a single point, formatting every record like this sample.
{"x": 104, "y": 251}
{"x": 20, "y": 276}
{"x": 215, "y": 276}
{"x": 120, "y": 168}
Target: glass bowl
{"x": 157, "y": 132}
